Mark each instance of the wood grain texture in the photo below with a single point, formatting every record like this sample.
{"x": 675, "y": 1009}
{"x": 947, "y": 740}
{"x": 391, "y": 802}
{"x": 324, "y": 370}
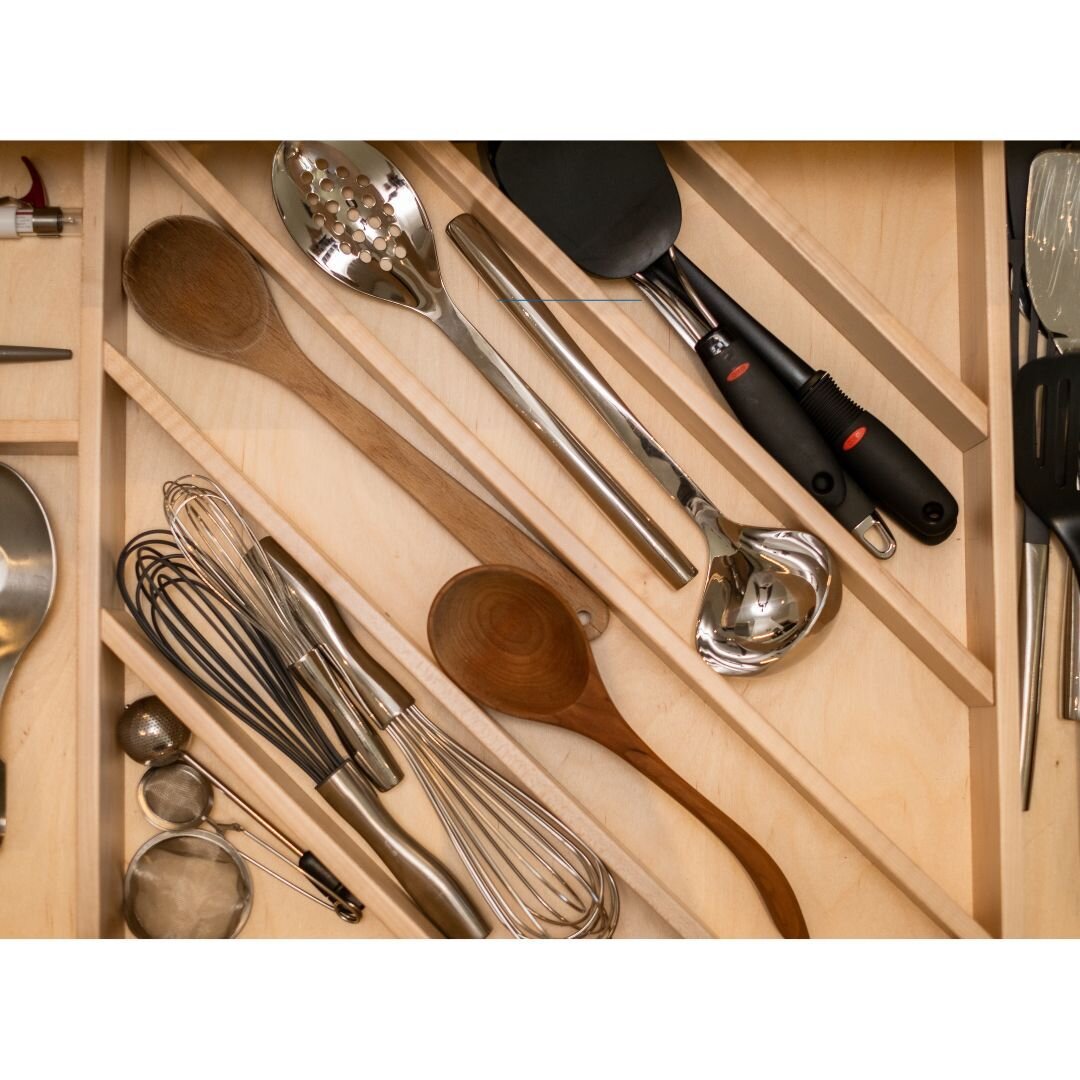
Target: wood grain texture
{"x": 997, "y": 877}
{"x": 39, "y": 436}
{"x": 806, "y": 262}
{"x": 39, "y": 277}
{"x": 514, "y": 645}
{"x": 101, "y": 501}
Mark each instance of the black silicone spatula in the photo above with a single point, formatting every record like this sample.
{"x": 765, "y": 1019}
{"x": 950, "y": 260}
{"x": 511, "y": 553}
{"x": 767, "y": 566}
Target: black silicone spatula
{"x": 1046, "y": 410}
{"x": 611, "y": 207}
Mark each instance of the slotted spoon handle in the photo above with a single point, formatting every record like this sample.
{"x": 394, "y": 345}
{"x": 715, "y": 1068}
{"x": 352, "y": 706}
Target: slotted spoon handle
{"x": 483, "y": 530}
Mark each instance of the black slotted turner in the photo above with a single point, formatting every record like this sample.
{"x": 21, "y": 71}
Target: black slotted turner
{"x": 1047, "y": 451}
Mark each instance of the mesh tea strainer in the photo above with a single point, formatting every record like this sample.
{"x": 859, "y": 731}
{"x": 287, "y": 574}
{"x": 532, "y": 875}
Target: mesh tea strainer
{"x": 187, "y": 884}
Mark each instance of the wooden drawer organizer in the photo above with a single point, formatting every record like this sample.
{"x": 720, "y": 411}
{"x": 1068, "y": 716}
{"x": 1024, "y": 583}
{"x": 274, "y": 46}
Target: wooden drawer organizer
{"x": 880, "y": 771}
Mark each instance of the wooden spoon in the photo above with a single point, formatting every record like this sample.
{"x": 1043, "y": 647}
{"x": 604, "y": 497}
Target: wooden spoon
{"x": 198, "y": 286}
{"x": 509, "y": 641}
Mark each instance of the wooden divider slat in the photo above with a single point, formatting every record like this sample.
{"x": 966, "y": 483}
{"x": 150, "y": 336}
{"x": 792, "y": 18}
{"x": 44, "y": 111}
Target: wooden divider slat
{"x": 39, "y": 436}
{"x": 808, "y": 265}
{"x": 991, "y": 564}
{"x": 101, "y": 520}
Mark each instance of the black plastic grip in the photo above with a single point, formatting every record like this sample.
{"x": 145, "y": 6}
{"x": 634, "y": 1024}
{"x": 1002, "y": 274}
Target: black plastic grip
{"x": 328, "y": 884}
{"x": 773, "y": 417}
{"x": 892, "y": 474}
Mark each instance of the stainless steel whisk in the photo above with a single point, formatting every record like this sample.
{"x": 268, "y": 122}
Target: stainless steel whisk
{"x": 222, "y": 549}
{"x": 538, "y": 877}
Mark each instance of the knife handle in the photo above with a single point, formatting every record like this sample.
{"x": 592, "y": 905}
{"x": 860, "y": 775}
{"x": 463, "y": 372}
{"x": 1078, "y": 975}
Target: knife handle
{"x": 881, "y": 462}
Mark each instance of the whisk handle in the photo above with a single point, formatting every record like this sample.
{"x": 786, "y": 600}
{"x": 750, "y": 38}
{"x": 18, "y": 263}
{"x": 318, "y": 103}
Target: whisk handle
{"x": 380, "y": 692}
{"x": 420, "y": 874}
{"x": 359, "y": 737}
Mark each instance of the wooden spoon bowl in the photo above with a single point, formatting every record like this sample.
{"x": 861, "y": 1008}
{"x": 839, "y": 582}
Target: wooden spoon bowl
{"x": 509, "y": 641}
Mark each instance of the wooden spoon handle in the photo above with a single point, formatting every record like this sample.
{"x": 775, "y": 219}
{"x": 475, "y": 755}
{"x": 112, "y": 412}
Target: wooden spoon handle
{"x": 483, "y": 530}
{"x": 774, "y": 887}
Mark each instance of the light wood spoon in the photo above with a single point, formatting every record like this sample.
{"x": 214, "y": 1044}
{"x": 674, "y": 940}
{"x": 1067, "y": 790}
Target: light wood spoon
{"x": 198, "y": 286}
{"x": 509, "y": 641}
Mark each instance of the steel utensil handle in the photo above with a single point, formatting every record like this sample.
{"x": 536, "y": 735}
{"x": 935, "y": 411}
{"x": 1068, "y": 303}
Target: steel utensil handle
{"x": 383, "y": 696}
{"x": 618, "y": 504}
{"x": 1032, "y": 629}
{"x": 883, "y": 464}
{"x": 420, "y": 874}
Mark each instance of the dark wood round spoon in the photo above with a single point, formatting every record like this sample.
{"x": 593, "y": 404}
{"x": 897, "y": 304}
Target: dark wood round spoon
{"x": 198, "y": 286}
{"x": 514, "y": 645}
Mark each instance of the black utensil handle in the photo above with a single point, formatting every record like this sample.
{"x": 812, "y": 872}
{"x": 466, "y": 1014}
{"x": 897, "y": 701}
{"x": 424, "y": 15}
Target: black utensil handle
{"x": 892, "y": 474}
{"x": 327, "y": 883}
{"x": 773, "y": 416}
{"x": 736, "y": 323}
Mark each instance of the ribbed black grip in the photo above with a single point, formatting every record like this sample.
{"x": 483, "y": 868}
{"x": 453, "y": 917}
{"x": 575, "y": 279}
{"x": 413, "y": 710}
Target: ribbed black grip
{"x": 766, "y": 409}
{"x": 883, "y": 464}
{"x": 328, "y": 884}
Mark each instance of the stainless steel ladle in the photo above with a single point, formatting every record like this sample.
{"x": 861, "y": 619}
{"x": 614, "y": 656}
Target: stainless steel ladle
{"x": 27, "y": 579}
{"x": 353, "y": 213}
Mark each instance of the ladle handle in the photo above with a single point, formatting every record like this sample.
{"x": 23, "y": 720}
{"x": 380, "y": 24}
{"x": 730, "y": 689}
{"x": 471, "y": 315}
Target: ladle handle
{"x": 483, "y": 530}
{"x": 621, "y": 508}
{"x": 774, "y": 887}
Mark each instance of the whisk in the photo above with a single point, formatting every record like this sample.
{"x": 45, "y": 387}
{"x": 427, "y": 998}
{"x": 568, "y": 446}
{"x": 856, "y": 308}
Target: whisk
{"x": 237, "y": 665}
{"x": 215, "y": 539}
{"x": 538, "y": 877}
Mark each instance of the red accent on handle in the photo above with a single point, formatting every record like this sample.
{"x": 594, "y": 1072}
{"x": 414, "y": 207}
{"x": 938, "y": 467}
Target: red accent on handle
{"x": 736, "y": 372}
{"x": 854, "y": 438}
{"x": 36, "y": 196}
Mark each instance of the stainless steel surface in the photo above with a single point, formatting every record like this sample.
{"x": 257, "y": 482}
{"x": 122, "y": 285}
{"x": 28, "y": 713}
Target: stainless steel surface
{"x": 223, "y": 550}
{"x": 1052, "y": 268}
{"x": 351, "y": 211}
{"x": 425, "y": 879}
{"x": 152, "y": 734}
{"x": 383, "y": 696}
{"x": 1070, "y": 660}
{"x": 1032, "y": 626}
{"x": 766, "y": 588}
{"x": 1052, "y": 245}
{"x": 27, "y": 581}
{"x": 180, "y": 797}
{"x": 537, "y": 876}
{"x": 181, "y": 904}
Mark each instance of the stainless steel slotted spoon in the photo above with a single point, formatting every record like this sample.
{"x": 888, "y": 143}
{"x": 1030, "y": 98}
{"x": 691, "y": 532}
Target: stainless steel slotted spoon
{"x": 353, "y": 213}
